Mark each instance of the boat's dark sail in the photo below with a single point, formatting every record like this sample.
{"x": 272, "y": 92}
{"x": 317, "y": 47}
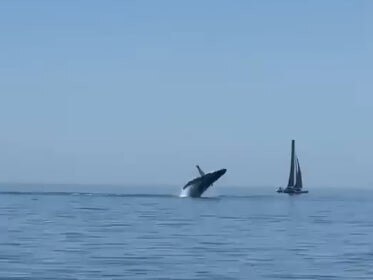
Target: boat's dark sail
{"x": 295, "y": 184}
{"x": 291, "y": 176}
{"x": 298, "y": 179}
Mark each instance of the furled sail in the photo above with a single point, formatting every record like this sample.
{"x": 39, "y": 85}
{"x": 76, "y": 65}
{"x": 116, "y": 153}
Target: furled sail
{"x": 291, "y": 176}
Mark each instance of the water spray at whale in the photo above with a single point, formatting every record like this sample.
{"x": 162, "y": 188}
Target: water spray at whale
{"x": 197, "y": 186}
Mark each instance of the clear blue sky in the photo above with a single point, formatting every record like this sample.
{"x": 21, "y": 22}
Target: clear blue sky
{"x": 138, "y": 92}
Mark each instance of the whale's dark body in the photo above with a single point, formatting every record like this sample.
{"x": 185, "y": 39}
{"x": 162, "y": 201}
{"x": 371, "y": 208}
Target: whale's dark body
{"x": 197, "y": 186}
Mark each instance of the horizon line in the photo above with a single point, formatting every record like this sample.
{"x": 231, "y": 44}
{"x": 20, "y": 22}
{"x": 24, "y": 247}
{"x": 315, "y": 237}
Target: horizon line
{"x": 126, "y": 185}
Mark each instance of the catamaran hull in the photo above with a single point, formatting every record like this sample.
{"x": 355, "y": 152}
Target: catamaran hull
{"x": 290, "y": 192}
{"x": 297, "y": 192}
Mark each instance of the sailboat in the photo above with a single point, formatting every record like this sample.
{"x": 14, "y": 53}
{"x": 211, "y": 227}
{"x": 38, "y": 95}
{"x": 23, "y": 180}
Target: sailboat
{"x": 295, "y": 183}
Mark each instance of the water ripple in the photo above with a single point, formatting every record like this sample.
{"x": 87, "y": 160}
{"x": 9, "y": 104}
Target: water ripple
{"x": 82, "y": 235}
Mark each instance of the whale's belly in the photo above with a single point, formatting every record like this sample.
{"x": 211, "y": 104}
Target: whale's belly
{"x": 195, "y": 190}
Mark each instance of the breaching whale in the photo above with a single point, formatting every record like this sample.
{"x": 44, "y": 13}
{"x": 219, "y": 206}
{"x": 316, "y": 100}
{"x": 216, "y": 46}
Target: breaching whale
{"x": 197, "y": 186}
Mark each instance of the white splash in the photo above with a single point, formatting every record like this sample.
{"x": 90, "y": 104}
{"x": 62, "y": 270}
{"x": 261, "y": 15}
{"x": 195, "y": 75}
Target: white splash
{"x": 185, "y": 193}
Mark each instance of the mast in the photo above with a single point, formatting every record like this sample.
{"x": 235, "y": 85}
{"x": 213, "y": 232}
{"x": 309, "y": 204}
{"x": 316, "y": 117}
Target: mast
{"x": 291, "y": 176}
{"x": 298, "y": 182}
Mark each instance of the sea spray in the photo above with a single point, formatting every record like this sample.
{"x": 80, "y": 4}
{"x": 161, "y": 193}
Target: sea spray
{"x": 185, "y": 193}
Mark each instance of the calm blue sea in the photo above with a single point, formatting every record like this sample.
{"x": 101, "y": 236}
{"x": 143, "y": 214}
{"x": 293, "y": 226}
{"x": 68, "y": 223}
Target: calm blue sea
{"x": 151, "y": 233}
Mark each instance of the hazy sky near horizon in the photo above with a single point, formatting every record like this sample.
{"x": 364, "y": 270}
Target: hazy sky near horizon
{"x": 138, "y": 92}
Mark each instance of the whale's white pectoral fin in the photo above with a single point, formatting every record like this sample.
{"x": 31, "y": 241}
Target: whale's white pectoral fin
{"x": 200, "y": 171}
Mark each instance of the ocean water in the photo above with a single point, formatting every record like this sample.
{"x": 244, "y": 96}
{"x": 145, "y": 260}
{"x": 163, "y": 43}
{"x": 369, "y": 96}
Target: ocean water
{"x": 151, "y": 233}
